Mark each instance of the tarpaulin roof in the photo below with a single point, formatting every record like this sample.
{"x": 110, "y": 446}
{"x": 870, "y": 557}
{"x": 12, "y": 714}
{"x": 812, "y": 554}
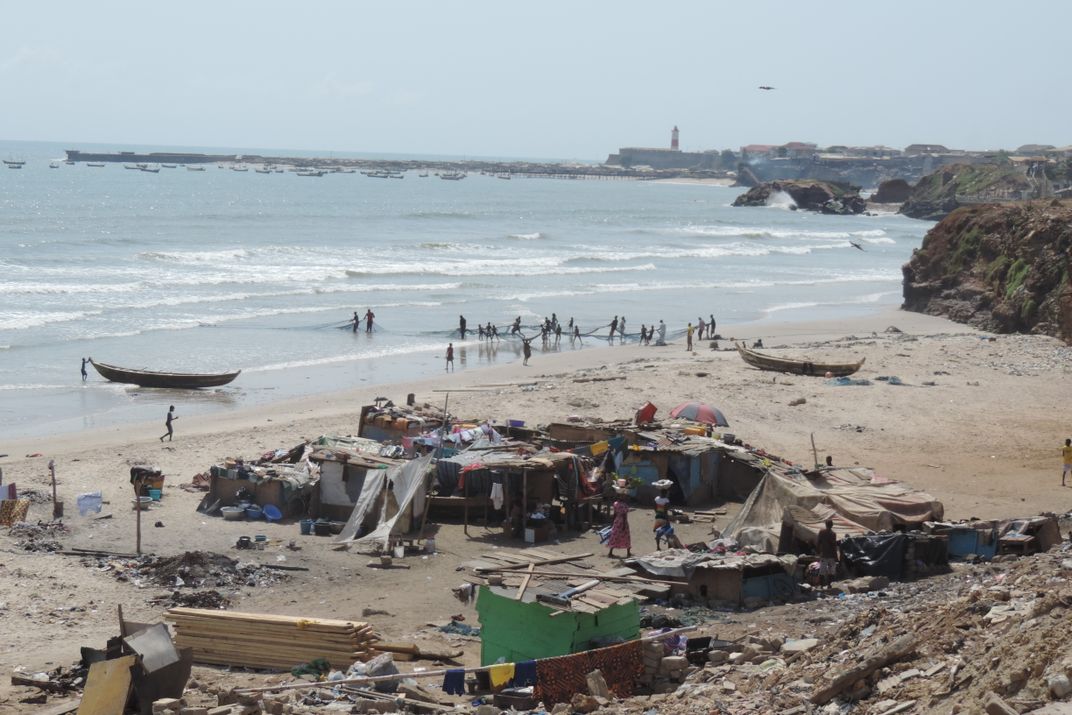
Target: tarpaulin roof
{"x": 857, "y": 499}
{"x": 681, "y": 563}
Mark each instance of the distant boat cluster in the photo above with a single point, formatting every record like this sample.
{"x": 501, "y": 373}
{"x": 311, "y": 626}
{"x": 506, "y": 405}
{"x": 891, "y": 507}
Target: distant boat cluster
{"x": 154, "y": 168}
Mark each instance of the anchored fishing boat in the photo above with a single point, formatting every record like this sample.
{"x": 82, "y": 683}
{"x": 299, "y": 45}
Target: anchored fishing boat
{"x": 152, "y": 378}
{"x": 797, "y": 367}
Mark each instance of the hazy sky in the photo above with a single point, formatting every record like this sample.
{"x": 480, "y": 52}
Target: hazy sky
{"x": 549, "y": 79}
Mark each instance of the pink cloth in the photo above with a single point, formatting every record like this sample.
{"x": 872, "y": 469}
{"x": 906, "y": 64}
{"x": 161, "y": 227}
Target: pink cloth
{"x": 619, "y": 528}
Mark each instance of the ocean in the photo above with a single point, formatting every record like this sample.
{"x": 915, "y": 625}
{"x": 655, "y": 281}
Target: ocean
{"x": 219, "y": 270}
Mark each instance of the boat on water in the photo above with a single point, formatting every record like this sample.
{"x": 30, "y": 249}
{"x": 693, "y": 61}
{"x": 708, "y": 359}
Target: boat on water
{"x": 153, "y": 378}
{"x": 452, "y": 176}
{"x": 14, "y": 163}
{"x": 422, "y": 176}
{"x": 263, "y": 171}
{"x": 69, "y": 163}
{"x": 53, "y": 165}
{"x": 169, "y": 166}
{"x": 239, "y": 168}
{"x": 151, "y": 168}
{"x": 503, "y": 176}
{"x": 797, "y": 367}
{"x": 95, "y": 164}
{"x": 311, "y": 173}
{"x": 195, "y": 168}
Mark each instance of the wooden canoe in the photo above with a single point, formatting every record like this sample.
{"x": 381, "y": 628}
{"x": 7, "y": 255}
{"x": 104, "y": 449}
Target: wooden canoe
{"x": 797, "y": 367}
{"x": 175, "y": 380}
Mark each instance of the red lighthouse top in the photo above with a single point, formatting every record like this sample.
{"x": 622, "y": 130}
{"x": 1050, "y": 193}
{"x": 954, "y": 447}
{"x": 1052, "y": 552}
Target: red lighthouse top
{"x": 673, "y": 140}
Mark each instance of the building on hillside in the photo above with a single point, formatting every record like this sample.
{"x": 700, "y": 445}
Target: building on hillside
{"x": 917, "y": 149}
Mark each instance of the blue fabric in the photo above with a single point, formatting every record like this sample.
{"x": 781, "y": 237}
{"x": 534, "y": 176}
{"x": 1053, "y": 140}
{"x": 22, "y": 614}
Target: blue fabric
{"x": 454, "y": 682}
{"x": 524, "y": 674}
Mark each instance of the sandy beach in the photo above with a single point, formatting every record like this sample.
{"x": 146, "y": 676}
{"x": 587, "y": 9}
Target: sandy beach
{"x": 977, "y": 422}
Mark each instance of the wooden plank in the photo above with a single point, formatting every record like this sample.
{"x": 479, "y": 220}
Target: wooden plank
{"x": 561, "y": 559}
{"x": 107, "y": 687}
{"x": 524, "y": 583}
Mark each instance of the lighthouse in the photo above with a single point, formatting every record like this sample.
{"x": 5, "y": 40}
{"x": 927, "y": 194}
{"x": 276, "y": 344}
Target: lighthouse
{"x": 673, "y": 140}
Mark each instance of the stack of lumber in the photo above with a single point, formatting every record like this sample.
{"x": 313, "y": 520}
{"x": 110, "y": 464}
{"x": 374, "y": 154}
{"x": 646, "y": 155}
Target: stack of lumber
{"x": 254, "y": 640}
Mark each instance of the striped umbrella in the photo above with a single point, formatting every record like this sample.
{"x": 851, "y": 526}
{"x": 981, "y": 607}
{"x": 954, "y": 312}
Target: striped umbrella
{"x": 700, "y": 412}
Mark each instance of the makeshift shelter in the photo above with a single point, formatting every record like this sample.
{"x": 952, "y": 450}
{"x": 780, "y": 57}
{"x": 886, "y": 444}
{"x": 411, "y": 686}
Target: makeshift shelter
{"x": 897, "y": 555}
{"x": 788, "y": 507}
{"x": 392, "y": 502}
{"x": 288, "y": 487}
{"x": 690, "y": 461}
{"x": 489, "y": 477}
{"x": 513, "y": 630}
{"x": 344, "y": 472}
{"x": 734, "y": 579}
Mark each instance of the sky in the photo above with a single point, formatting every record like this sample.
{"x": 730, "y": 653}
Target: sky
{"x": 547, "y": 79}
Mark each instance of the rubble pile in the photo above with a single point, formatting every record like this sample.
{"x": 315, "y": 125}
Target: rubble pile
{"x": 988, "y": 632}
{"x": 40, "y": 536}
{"x": 198, "y": 578}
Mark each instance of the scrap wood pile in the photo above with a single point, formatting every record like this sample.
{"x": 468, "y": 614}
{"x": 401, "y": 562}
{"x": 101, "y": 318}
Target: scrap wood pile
{"x": 255, "y": 640}
{"x": 537, "y": 572}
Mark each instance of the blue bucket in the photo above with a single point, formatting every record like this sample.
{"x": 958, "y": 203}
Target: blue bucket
{"x": 254, "y": 512}
{"x": 271, "y": 512}
{"x": 306, "y": 526}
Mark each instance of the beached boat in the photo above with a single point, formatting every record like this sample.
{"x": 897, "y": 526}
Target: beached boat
{"x": 151, "y": 378}
{"x": 797, "y": 367}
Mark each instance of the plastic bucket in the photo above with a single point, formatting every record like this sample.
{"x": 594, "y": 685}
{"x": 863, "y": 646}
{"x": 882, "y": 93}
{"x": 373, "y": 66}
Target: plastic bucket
{"x": 271, "y": 512}
{"x": 306, "y": 526}
{"x": 429, "y": 545}
{"x": 155, "y": 494}
{"x": 515, "y": 423}
{"x": 254, "y": 512}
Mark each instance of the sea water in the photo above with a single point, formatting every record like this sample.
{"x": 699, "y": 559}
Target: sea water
{"x": 219, "y": 270}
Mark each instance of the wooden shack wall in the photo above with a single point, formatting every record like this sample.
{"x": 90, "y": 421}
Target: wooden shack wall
{"x": 516, "y": 631}
{"x": 265, "y": 492}
{"x": 736, "y": 479}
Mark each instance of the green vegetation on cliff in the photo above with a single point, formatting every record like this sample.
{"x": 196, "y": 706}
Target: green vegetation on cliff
{"x": 1001, "y": 267}
{"x": 939, "y": 194}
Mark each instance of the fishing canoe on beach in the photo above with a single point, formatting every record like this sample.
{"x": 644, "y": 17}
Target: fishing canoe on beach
{"x": 797, "y": 367}
{"x": 175, "y": 380}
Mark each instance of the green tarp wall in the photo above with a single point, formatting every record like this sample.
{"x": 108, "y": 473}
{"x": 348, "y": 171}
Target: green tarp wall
{"x": 517, "y": 631}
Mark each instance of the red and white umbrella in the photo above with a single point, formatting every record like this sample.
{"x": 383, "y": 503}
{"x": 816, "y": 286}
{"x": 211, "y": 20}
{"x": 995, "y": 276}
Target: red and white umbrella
{"x": 700, "y": 412}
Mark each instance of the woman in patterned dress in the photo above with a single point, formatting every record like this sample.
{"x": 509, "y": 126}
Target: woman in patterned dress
{"x": 619, "y": 529}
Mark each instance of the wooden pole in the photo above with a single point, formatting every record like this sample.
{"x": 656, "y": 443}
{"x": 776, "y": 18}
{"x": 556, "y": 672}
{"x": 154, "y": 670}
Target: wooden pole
{"x": 814, "y": 452}
{"x": 137, "y": 523}
{"x": 465, "y": 506}
{"x": 57, "y": 512}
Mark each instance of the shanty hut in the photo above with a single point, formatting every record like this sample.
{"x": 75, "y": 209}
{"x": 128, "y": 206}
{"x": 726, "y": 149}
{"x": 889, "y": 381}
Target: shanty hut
{"x": 734, "y": 579}
{"x": 788, "y": 507}
{"x": 345, "y": 464}
{"x": 397, "y": 424}
{"x": 285, "y": 485}
{"x": 690, "y": 461}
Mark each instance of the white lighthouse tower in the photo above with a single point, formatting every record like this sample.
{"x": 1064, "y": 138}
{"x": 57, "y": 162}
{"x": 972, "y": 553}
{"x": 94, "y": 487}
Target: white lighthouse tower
{"x": 673, "y": 140}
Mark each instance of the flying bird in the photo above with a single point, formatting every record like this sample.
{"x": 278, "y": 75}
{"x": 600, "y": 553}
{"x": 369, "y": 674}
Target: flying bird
{"x": 855, "y": 245}
{"x": 766, "y": 87}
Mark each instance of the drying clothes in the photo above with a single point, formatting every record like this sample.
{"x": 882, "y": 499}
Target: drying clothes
{"x": 501, "y": 674}
{"x": 497, "y": 497}
{"x": 557, "y": 679}
{"x": 599, "y": 448}
{"x": 524, "y": 674}
{"x": 13, "y": 511}
{"x": 454, "y": 682}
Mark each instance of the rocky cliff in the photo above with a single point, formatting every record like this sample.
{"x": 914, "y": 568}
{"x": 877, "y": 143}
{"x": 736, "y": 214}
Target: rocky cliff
{"x": 1002, "y": 267}
{"x": 826, "y": 197}
{"x": 939, "y": 194}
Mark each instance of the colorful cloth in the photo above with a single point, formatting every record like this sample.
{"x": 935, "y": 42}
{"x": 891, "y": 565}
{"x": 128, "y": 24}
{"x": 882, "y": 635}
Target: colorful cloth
{"x": 559, "y": 678}
{"x": 454, "y": 681}
{"x": 501, "y": 674}
{"x": 524, "y": 674}
{"x": 13, "y": 511}
{"x": 619, "y": 528}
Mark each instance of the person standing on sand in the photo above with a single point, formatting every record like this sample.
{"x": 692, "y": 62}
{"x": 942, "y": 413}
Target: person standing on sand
{"x": 450, "y": 357}
{"x": 170, "y": 418}
{"x": 526, "y": 350}
{"x": 613, "y": 329}
{"x": 662, "y": 333}
{"x": 85, "y": 374}
{"x": 369, "y": 315}
{"x": 688, "y": 338}
{"x": 700, "y": 326}
{"x": 1066, "y": 452}
{"x": 621, "y": 329}
{"x": 577, "y": 335}
{"x": 711, "y": 327}
{"x": 619, "y": 529}
{"x": 826, "y": 545}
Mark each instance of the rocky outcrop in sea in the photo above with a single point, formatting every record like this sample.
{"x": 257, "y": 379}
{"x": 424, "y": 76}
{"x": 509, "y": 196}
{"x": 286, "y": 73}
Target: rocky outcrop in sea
{"x": 1000, "y": 267}
{"x": 826, "y": 197}
{"x": 939, "y": 194}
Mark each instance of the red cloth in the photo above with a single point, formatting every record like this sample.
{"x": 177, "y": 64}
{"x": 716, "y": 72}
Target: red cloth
{"x": 619, "y": 528}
